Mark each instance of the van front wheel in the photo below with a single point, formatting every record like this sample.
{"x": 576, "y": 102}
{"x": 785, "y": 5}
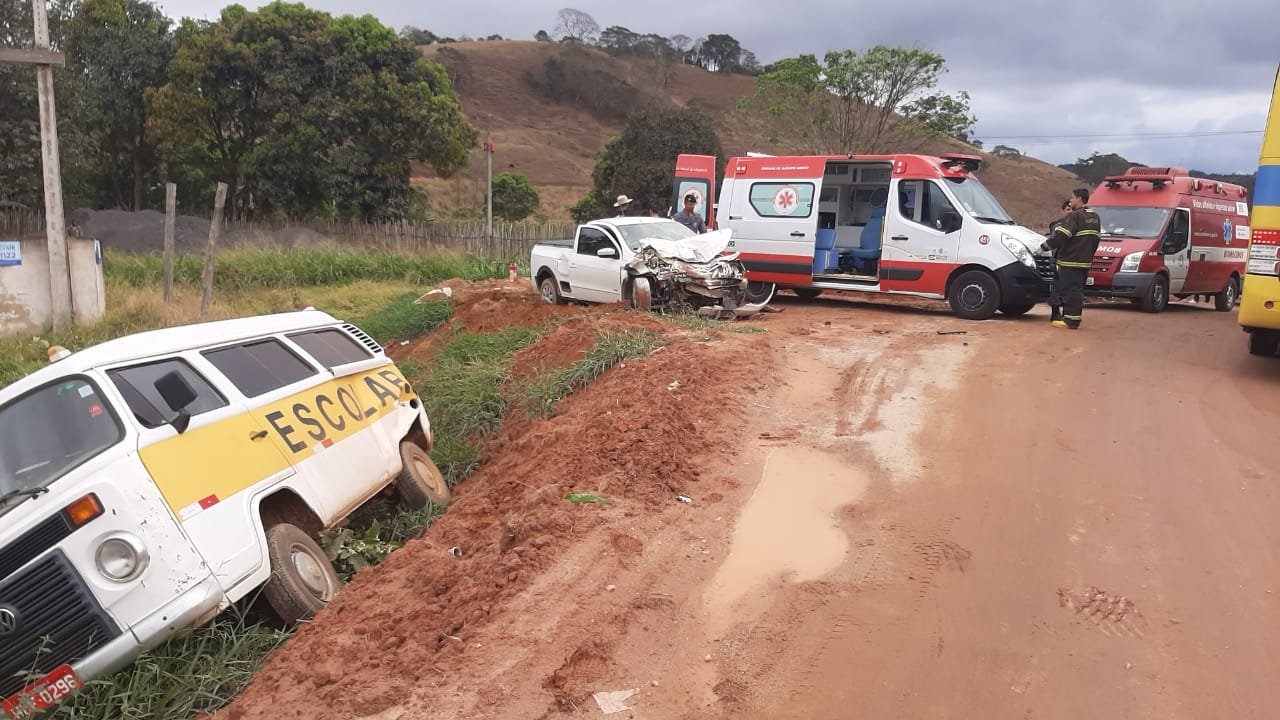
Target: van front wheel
{"x": 1225, "y": 300}
{"x": 974, "y": 295}
{"x": 302, "y": 579}
{"x": 420, "y": 481}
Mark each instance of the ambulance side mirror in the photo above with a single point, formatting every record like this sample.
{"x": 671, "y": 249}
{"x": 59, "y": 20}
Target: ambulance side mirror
{"x": 949, "y": 222}
{"x": 178, "y": 395}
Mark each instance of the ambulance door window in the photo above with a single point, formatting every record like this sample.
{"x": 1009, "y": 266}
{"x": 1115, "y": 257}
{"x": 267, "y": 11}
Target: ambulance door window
{"x": 1178, "y": 234}
{"x": 259, "y": 367}
{"x": 909, "y": 200}
{"x": 137, "y": 384}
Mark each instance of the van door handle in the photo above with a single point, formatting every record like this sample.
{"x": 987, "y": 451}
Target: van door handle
{"x": 900, "y": 238}
{"x": 258, "y": 435}
{"x": 797, "y": 233}
{"x": 735, "y": 217}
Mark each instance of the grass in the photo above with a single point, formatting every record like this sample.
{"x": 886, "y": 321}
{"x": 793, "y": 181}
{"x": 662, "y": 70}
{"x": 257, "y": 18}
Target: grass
{"x": 610, "y": 348}
{"x": 264, "y": 269}
{"x": 695, "y": 323}
{"x": 402, "y": 319}
{"x": 183, "y": 678}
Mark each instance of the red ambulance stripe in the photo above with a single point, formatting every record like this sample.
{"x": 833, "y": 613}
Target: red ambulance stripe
{"x": 208, "y": 502}
{"x": 933, "y": 276}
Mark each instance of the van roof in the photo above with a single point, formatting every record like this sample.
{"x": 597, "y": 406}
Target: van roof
{"x": 814, "y": 166}
{"x": 1162, "y": 187}
{"x": 168, "y": 341}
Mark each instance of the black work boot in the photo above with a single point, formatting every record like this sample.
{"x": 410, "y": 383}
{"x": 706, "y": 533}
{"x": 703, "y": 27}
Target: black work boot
{"x": 1055, "y": 313}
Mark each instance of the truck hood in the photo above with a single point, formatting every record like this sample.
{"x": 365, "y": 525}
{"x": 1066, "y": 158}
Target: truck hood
{"x": 1028, "y": 237}
{"x": 697, "y": 249}
{"x": 1119, "y": 247}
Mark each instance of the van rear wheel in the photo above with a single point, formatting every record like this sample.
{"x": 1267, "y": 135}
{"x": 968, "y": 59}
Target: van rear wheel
{"x": 974, "y": 295}
{"x": 420, "y": 481}
{"x": 549, "y": 290}
{"x": 759, "y": 293}
{"x": 303, "y": 580}
{"x": 1225, "y": 300}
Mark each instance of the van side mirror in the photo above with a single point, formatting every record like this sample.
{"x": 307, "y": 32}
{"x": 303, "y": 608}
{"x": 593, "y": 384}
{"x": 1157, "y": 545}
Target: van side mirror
{"x": 607, "y": 252}
{"x": 178, "y": 395}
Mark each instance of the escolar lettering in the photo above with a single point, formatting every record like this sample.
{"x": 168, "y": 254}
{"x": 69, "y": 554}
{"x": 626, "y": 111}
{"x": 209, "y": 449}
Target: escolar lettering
{"x": 334, "y": 412}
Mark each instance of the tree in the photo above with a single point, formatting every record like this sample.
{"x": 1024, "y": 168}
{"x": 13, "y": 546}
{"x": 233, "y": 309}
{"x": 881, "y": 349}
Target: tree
{"x": 542, "y": 36}
{"x": 721, "y": 53}
{"x": 418, "y": 36}
{"x": 641, "y": 162}
{"x": 245, "y": 105}
{"x": 1097, "y": 166}
{"x": 943, "y": 114}
{"x": 855, "y": 103}
{"x": 576, "y": 26}
{"x": 617, "y": 40}
{"x": 514, "y": 198}
{"x": 120, "y": 49}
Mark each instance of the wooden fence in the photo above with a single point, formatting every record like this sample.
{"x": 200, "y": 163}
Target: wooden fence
{"x": 509, "y": 240}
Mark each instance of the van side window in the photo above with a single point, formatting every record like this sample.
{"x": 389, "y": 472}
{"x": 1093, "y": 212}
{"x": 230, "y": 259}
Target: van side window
{"x": 923, "y": 202}
{"x": 259, "y": 367}
{"x": 776, "y": 199}
{"x": 592, "y": 241}
{"x": 138, "y": 386}
{"x": 331, "y": 347}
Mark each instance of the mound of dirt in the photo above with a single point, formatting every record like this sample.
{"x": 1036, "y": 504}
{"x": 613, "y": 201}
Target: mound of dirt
{"x": 639, "y": 436}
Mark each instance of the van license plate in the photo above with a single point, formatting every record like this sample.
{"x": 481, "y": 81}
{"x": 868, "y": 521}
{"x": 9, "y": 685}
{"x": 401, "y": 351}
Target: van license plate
{"x": 42, "y": 694}
{"x": 1088, "y": 281}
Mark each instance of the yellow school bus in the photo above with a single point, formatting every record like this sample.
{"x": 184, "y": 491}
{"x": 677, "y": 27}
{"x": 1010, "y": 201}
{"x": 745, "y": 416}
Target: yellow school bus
{"x": 1260, "y": 299}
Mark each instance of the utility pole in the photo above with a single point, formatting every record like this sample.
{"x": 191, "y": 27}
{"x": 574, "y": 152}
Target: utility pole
{"x": 55, "y": 225}
{"x": 488, "y": 151}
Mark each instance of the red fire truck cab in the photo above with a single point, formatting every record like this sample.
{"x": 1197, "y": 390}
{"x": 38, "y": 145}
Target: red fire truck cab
{"x": 1165, "y": 234}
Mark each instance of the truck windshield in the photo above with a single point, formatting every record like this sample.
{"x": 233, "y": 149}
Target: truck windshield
{"x": 1132, "y": 222}
{"x": 47, "y": 433}
{"x": 665, "y": 230}
{"x": 978, "y": 201}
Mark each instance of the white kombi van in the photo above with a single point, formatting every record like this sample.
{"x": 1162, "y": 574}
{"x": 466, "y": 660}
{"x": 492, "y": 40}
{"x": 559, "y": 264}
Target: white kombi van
{"x": 901, "y": 224}
{"x": 148, "y": 482}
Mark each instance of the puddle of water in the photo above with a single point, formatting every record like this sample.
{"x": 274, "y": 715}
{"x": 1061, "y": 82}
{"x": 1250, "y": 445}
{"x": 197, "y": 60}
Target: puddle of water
{"x": 788, "y": 526}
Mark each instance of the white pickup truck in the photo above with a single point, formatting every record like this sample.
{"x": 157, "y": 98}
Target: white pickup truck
{"x": 592, "y": 267}
{"x": 650, "y": 263}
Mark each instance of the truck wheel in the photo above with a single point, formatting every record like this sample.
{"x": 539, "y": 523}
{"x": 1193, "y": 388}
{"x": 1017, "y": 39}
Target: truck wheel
{"x": 1225, "y": 300}
{"x": 302, "y": 579}
{"x": 759, "y": 293}
{"x": 1015, "y": 310}
{"x": 549, "y": 290}
{"x": 420, "y": 481}
{"x": 1157, "y": 297}
{"x": 642, "y": 294}
{"x": 974, "y": 295}
{"x": 807, "y": 293}
{"x": 1264, "y": 342}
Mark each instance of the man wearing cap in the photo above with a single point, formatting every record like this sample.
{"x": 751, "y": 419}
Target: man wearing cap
{"x": 688, "y": 218}
{"x": 623, "y": 203}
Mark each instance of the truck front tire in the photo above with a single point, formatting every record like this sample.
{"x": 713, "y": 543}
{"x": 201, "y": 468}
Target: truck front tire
{"x": 303, "y": 580}
{"x": 642, "y": 294}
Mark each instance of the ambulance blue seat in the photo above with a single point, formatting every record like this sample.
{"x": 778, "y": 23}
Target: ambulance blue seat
{"x": 826, "y": 238}
{"x": 868, "y": 251}
{"x": 825, "y": 260}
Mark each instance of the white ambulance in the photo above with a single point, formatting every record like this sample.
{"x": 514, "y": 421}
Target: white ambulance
{"x": 148, "y": 482}
{"x": 903, "y": 224}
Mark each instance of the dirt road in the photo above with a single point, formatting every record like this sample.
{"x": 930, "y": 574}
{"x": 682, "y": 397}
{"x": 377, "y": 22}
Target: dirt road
{"x": 888, "y": 522}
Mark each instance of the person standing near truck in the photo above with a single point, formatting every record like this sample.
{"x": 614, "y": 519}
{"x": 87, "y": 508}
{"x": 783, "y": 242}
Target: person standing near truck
{"x": 1055, "y": 298}
{"x": 1073, "y": 243}
{"x": 688, "y": 218}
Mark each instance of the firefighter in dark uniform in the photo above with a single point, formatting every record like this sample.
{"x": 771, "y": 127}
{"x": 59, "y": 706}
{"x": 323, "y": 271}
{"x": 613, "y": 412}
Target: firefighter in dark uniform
{"x": 1055, "y": 299}
{"x": 1073, "y": 243}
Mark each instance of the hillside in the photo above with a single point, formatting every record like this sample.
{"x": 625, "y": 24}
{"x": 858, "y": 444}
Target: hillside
{"x": 554, "y": 142}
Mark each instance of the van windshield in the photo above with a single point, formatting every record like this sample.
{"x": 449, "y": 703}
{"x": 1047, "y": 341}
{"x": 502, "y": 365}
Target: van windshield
{"x": 978, "y": 201}
{"x": 47, "y": 433}
{"x": 1131, "y": 222}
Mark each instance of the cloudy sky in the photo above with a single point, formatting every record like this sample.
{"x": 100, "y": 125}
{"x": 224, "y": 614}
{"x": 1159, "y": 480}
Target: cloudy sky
{"x": 1179, "y": 82}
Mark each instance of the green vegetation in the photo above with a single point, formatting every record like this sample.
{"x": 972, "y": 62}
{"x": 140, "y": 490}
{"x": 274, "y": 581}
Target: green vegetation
{"x": 610, "y": 348}
{"x": 404, "y": 319}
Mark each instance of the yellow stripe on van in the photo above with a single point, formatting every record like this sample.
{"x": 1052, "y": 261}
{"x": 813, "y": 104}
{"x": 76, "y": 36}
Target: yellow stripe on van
{"x": 1266, "y": 217}
{"x": 221, "y": 459}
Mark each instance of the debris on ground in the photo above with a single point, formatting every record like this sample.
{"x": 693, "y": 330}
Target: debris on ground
{"x": 613, "y": 702}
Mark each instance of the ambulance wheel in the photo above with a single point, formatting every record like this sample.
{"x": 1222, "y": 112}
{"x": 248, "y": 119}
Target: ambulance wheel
{"x": 759, "y": 293}
{"x": 1016, "y": 310}
{"x": 549, "y": 290}
{"x": 974, "y": 295}
{"x": 420, "y": 481}
{"x": 642, "y": 294}
{"x": 1157, "y": 297}
{"x": 807, "y": 293}
{"x": 302, "y": 579}
{"x": 1264, "y": 342}
{"x": 1225, "y": 300}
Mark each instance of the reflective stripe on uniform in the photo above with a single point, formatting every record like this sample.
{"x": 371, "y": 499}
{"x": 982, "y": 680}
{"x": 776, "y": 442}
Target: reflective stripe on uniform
{"x": 1062, "y": 230}
{"x": 1067, "y": 263}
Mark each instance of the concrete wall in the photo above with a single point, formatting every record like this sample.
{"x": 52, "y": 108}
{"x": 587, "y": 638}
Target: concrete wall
{"x": 25, "y": 307}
